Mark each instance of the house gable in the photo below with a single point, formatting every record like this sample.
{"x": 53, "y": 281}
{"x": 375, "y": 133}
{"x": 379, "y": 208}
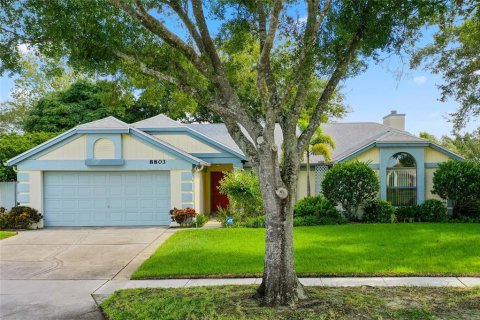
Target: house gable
{"x": 188, "y": 143}
{"x": 73, "y": 149}
{"x": 135, "y": 149}
{"x": 86, "y": 146}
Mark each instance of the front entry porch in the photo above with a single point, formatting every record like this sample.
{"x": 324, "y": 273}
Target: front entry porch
{"x": 211, "y": 177}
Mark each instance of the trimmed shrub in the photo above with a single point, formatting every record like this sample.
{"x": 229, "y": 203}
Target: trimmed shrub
{"x": 317, "y": 210}
{"x": 243, "y": 191}
{"x": 433, "y": 210}
{"x": 407, "y": 213}
{"x": 317, "y": 221}
{"x": 378, "y": 210}
{"x": 350, "y": 184}
{"x": 315, "y": 206}
{"x": 459, "y": 181}
{"x": 200, "y": 220}
{"x": 20, "y": 217}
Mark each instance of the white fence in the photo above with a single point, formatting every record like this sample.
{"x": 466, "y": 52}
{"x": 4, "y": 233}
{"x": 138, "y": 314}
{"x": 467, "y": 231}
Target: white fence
{"x": 8, "y": 194}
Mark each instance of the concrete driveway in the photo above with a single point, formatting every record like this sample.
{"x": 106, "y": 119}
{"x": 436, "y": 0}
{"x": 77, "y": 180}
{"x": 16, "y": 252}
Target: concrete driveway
{"x": 51, "y": 273}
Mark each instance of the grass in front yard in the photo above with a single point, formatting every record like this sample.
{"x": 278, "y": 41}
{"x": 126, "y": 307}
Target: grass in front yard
{"x": 236, "y": 302}
{"x": 6, "y": 234}
{"x": 345, "y": 250}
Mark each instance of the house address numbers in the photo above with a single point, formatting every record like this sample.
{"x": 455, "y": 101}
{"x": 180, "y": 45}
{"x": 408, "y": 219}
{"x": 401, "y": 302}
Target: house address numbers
{"x": 158, "y": 161}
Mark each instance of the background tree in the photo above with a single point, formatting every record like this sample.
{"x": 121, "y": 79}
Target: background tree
{"x": 321, "y": 144}
{"x": 459, "y": 181}
{"x": 173, "y": 42}
{"x": 467, "y": 145}
{"x": 13, "y": 144}
{"x": 455, "y": 54}
{"x": 40, "y": 75}
{"x": 82, "y": 102}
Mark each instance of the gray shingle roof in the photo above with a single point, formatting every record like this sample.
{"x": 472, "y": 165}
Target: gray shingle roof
{"x": 217, "y": 132}
{"x": 159, "y": 121}
{"x": 348, "y": 137}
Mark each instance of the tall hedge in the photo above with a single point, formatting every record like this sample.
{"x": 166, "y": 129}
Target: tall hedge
{"x": 459, "y": 181}
{"x": 351, "y": 184}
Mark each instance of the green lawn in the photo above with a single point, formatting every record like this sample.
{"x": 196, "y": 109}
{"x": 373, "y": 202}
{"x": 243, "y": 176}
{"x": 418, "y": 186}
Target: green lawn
{"x": 6, "y": 234}
{"x": 344, "y": 250}
{"x": 236, "y": 302}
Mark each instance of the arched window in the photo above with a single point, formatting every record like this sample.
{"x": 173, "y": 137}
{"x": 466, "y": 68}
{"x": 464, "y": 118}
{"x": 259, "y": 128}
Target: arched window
{"x": 402, "y": 179}
{"x": 104, "y": 149}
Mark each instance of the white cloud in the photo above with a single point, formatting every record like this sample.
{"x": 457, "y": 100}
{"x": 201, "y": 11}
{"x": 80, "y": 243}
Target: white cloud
{"x": 420, "y": 79}
{"x": 23, "y": 48}
{"x": 476, "y": 72}
{"x": 303, "y": 20}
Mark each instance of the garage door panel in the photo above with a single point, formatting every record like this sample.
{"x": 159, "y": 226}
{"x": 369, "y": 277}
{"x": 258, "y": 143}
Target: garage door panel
{"x": 106, "y": 198}
{"x": 85, "y": 204}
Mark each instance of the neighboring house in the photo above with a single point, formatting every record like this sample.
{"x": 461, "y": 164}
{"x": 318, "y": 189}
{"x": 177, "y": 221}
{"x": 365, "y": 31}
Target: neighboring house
{"x": 109, "y": 173}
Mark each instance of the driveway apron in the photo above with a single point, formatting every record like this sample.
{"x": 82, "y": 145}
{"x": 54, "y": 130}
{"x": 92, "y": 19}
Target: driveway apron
{"x": 51, "y": 273}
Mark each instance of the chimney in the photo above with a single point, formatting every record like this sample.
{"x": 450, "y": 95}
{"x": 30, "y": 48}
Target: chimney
{"x": 395, "y": 120}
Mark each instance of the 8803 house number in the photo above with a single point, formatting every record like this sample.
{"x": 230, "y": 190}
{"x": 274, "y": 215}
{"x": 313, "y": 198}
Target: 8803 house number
{"x": 158, "y": 161}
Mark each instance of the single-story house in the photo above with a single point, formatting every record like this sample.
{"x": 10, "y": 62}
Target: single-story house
{"x": 109, "y": 173}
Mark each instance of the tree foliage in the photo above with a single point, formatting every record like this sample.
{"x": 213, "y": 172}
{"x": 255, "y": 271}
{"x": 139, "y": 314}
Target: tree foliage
{"x": 40, "y": 75}
{"x": 253, "y": 64}
{"x": 13, "y": 144}
{"x": 350, "y": 184}
{"x": 459, "y": 181}
{"x": 467, "y": 144}
{"x": 455, "y": 54}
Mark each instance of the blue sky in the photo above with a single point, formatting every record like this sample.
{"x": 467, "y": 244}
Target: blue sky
{"x": 374, "y": 93}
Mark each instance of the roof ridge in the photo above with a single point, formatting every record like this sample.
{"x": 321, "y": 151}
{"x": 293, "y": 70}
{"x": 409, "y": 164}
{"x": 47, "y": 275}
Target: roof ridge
{"x": 103, "y": 120}
{"x": 157, "y": 117}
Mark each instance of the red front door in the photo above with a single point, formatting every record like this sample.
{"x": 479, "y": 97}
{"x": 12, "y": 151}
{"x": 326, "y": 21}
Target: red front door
{"x": 218, "y": 200}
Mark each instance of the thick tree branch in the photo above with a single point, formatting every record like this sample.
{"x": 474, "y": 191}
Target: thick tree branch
{"x": 265, "y": 83}
{"x": 182, "y": 84}
{"x": 305, "y": 63}
{"x": 243, "y": 142}
{"x": 159, "y": 29}
{"x": 183, "y": 15}
{"x": 220, "y": 79}
{"x": 329, "y": 90}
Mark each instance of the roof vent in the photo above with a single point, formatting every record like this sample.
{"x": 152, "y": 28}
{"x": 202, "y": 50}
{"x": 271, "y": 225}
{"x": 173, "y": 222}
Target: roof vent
{"x": 395, "y": 120}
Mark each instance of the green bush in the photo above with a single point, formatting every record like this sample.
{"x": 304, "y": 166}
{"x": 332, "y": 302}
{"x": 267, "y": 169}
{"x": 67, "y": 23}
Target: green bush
{"x": 19, "y": 217}
{"x": 350, "y": 184}
{"x": 459, "y": 181}
{"x": 408, "y": 213}
{"x": 378, "y": 210}
{"x": 317, "y": 221}
{"x": 315, "y": 206}
{"x": 255, "y": 222}
{"x": 433, "y": 210}
{"x": 243, "y": 191}
{"x": 200, "y": 220}
{"x": 3, "y": 221}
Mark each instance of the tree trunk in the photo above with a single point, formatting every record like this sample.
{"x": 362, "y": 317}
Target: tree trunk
{"x": 308, "y": 172}
{"x": 280, "y": 285}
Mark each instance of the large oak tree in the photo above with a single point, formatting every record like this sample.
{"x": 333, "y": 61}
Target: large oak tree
{"x": 253, "y": 63}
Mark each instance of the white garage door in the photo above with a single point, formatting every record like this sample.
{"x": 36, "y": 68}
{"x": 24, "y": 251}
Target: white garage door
{"x": 106, "y": 198}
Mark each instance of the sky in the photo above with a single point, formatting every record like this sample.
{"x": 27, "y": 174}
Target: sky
{"x": 374, "y": 93}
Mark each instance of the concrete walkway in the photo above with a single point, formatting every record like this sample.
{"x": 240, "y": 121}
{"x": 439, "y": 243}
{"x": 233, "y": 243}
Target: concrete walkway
{"x": 110, "y": 287}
